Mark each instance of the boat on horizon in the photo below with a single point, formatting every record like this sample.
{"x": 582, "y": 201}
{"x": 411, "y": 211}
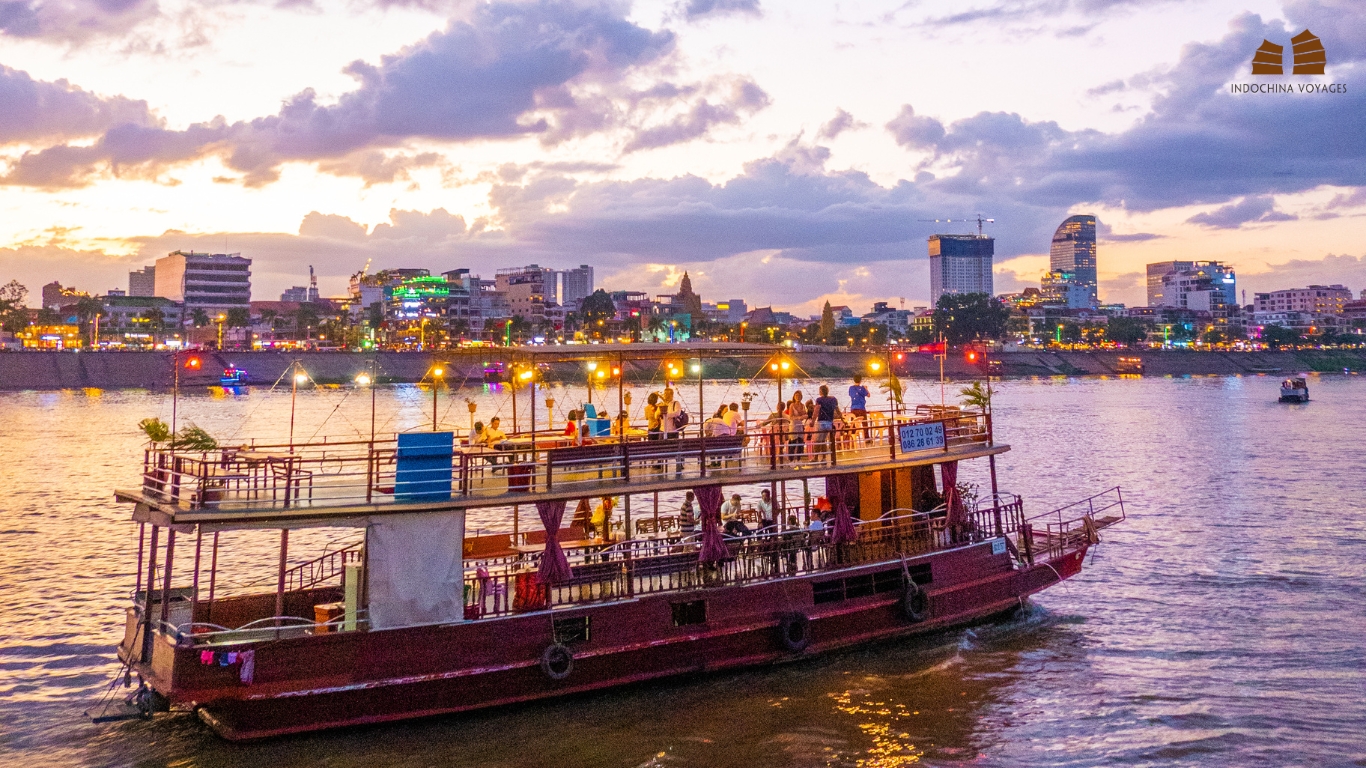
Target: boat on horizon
{"x": 413, "y": 613}
{"x": 1295, "y": 390}
{"x": 233, "y": 377}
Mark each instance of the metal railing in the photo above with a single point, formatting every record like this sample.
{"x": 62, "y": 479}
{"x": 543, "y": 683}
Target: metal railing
{"x": 363, "y": 472}
{"x": 637, "y": 567}
{"x": 1071, "y": 527}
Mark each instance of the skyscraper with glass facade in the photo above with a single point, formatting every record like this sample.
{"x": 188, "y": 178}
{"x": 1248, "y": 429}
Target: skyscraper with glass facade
{"x": 1074, "y": 251}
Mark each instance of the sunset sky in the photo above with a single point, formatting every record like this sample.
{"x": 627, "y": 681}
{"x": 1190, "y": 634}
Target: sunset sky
{"x": 785, "y": 153}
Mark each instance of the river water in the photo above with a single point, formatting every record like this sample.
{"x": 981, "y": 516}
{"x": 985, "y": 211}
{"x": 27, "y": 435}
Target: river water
{"x": 1223, "y": 624}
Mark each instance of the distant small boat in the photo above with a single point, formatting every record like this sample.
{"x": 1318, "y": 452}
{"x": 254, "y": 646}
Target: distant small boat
{"x": 1129, "y": 365}
{"x": 1294, "y": 390}
{"x": 233, "y": 377}
{"x": 493, "y": 373}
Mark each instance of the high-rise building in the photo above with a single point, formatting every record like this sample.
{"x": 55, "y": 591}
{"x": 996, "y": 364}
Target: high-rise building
{"x": 1201, "y": 286}
{"x": 1074, "y": 251}
{"x": 213, "y": 282}
{"x": 576, "y": 285}
{"x": 143, "y": 282}
{"x": 529, "y": 290}
{"x": 1316, "y": 300}
{"x": 1063, "y": 289}
{"x": 1155, "y": 274}
{"x": 960, "y": 264}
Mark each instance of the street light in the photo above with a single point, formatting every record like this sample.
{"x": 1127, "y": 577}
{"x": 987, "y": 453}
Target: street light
{"x": 437, "y": 373}
{"x": 299, "y": 377}
{"x": 364, "y": 379}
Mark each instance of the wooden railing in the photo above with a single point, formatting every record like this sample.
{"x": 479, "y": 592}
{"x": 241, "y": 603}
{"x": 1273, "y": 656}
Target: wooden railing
{"x": 363, "y": 472}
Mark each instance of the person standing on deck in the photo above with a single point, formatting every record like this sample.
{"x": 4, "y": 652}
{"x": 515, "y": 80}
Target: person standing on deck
{"x": 797, "y": 414}
{"x": 858, "y": 398}
{"x": 827, "y": 410}
{"x": 687, "y": 516}
{"x": 654, "y": 417}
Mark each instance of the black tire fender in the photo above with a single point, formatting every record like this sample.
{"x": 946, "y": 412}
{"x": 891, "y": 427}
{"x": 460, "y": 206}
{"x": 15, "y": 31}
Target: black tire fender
{"x": 915, "y": 603}
{"x": 557, "y": 661}
{"x": 794, "y": 631}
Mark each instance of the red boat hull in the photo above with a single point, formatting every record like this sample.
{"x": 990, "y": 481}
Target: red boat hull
{"x": 334, "y": 680}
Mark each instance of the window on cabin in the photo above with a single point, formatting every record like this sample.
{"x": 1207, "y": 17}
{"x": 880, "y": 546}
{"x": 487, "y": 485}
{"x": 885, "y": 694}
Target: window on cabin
{"x": 571, "y": 630}
{"x": 692, "y": 612}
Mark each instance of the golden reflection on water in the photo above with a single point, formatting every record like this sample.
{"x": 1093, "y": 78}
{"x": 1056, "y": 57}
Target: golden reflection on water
{"x": 891, "y": 746}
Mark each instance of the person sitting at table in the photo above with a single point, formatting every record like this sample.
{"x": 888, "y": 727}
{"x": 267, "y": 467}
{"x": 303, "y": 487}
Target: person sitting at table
{"x": 736, "y": 527}
{"x": 731, "y": 415}
{"x": 622, "y": 424}
{"x": 492, "y": 434}
{"x": 687, "y": 516}
{"x": 767, "y": 520}
{"x": 571, "y": 425}
{"x": 583, "y": 437}
{"x": 476, "y": 435}
{"x": 602, "y": 519}
{"x": 816, "y": 524}
{"x": 733, "y": 506}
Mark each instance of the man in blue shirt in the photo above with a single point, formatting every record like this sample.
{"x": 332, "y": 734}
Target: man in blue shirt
{"x": 858, "y": 398}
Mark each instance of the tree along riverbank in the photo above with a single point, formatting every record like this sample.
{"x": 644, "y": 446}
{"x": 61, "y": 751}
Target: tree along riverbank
{"x": 153, "y": 370}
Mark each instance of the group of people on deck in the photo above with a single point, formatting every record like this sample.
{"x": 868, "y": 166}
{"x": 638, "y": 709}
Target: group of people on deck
{"x": 809, "y": 426}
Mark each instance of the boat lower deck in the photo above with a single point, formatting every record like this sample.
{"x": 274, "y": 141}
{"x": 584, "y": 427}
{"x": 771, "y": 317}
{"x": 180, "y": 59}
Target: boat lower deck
{"x": 354, "y": 678}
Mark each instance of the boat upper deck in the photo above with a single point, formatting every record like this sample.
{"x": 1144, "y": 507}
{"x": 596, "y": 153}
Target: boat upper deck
{"x": 431, "y": 470}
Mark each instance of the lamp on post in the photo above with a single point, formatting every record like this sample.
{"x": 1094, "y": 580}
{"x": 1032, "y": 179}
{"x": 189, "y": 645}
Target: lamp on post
{"x": 701, "y": 412}
{"x": 437, "y": 373}
{"x": 367, "y": 379}
{"x": 298, "y": 378}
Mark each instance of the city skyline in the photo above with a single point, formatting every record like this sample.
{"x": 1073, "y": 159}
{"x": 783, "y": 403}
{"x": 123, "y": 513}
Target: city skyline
{"x": 658, "y": 138}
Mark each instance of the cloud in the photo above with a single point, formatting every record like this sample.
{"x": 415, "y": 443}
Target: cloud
{"x": 745, "y": 98}
{"x": 37, "y": 111}
{"x": 914, "y": 131}
{"x": 511, "y": 71}
{"x": 1200, "y": 144}
{"x": 697, "y": 9}
{"x": 72, "y": 21}
{"x": 1253, "y": 209}
{"x": 1332, "y": 268}
{"x": 841, "y": 122}
{"x": 331, "y": 226}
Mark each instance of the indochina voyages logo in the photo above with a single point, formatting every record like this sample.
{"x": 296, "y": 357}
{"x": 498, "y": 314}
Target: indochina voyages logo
{"x": 1308, "y": 57}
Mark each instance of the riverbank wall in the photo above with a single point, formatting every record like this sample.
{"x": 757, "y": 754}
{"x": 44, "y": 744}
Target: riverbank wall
{"x": 154, "y": 370}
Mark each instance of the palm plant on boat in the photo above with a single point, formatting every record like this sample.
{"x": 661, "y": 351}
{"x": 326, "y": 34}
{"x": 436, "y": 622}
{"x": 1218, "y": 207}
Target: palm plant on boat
{"x": 892, "y": 386}
{"x": 156, "y": 430}
{"x": 976, "y": 396}
{"x": 193, "y": 438}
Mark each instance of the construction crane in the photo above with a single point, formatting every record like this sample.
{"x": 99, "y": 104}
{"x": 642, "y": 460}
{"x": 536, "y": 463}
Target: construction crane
{"x": 979, "y": 219}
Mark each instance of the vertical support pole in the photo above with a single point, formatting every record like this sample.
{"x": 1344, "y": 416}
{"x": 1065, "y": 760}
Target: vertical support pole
{"x": 656, "y": 511}
{"x": 280, "y": 585}
{"x": 147, "y": 596}
{"x": 531, "y": 480}
{"x": 213, "y": 575}
{"x": 995, "y": 493}
{"x": 516, "y": 524}
{"x": 142, "y": 541}
{"x": 626, "y": 520}
{"x": 166, "y": 577}
{"x": 194, "y": 589}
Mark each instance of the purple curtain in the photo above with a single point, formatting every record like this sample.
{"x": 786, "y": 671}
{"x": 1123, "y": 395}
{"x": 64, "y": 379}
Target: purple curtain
{"x": 709, "y": 498}
{"x": 952, "y": 499}
{"x": 840, "y": 489}
{"x": 554, "y": 565}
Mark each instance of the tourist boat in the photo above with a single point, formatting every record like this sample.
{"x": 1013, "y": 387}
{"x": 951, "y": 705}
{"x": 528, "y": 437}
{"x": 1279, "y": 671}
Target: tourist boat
{"x": 233, "y": 377}
{"x": 1129, "y": 365}
{"x": 1294, "y": 390}
{"x": 411, "y": 612}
